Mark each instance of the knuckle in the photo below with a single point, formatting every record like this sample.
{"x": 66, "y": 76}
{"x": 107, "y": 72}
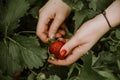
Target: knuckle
{"x": 60, "y": 18}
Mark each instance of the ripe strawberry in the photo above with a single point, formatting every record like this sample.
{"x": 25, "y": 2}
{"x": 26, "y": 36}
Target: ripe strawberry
{"x": 54, "y": 48}
{"x": 17, "y": 76}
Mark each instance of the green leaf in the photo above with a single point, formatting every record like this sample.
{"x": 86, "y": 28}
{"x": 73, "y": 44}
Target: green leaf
{"x": 14, "y": 10}
{"x": 117, "y": 34}
{"x": 21, "y": 52}
{"x": 87, "y": 59}
{"x": 2, "y": 77}
{"x": 75, "y": 78}
{"x": 53, "y": 77}
{"x": 41, "y": 76}
{"x": 8, "y": 64}
{"x": 31, "y": 55}
{"x": 108, "y": 75}
{"x": 34, "y": 12}
{"x": 56, "y": 70}
{"x": 32, "y": 2}
{"x": 90, "y": 75}
{"x": 75, "y": 4}
{"x": 118, "y": 63}
{"x": 87, "y": 73}
{"x": 14, "y": 51}
{"x": 113, "y": 48}
{"x": 106, "y": 57}
{"x": 99, "y": 4}
{"x": 31, "y": 76}
{"x": 72, "y": 70}
{"x": 79, "y": 18}
{"x": 37, "y": 5}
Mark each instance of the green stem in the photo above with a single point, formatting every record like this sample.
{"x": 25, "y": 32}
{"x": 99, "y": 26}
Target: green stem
{"x": 118, "y": 44}
{"x": 112, "y": 39}
{"x": 14, "y": 42}
{"x": 17, "y": 43}
{"x": 33, "y": 32}
{"x": 33, "y": 72}
{"x": 5, "y": 36}
{"x": 5, "y": 42}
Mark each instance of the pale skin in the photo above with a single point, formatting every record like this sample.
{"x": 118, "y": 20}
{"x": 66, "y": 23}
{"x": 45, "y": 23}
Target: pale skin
{"x": 86, "y": 36}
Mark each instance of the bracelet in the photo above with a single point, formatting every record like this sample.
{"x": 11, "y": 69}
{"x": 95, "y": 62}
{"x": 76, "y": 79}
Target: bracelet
{"x": 104, "y": 14}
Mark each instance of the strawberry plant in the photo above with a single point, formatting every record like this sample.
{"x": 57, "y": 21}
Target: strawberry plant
{"x": 23, "y": 56}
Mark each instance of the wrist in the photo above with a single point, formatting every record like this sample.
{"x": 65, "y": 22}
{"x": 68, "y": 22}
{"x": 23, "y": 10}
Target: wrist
{"x": 101, "y": 22}
{"x": 98, "y": 26}
{"x": 113, "y": 13}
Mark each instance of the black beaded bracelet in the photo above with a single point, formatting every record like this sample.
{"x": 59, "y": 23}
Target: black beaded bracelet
{"x": 104, "y": 14}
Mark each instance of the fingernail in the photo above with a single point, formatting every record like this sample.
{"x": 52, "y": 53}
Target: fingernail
{"x": 52, "y": 36}
{"x": 63, "y": 52}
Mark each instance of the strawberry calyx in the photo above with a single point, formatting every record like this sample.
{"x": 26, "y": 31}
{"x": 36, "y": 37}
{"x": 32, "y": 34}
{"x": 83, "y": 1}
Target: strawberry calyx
{"x": 52, "y": 40}
{"x": 51, "y": 56}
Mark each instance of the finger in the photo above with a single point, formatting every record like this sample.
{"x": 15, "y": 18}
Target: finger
{"x": 62, "y": 39}
{"x": 42, "y": 28}
{"x": 55, "y": 25}
{"x": 73, "y": 57}
{"x": 70, "y": 45}
{"x": 63, "y": 26}
{"x": 62, "y": 32}
{"x": 58, "y": 35}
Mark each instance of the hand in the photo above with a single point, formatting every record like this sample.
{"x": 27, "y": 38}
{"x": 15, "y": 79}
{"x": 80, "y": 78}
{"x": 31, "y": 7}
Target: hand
{"x": 87, "y": 35}
{"x": 51, "y": 16}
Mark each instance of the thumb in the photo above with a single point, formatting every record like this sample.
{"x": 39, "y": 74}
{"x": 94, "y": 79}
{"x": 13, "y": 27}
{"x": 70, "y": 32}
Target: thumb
{"x": 69, "y": 46}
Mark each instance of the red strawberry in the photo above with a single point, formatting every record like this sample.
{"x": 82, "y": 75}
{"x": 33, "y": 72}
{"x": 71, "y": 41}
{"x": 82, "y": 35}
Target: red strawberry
{"x": 17, "y": 76}
{"x": 55, "y": 47}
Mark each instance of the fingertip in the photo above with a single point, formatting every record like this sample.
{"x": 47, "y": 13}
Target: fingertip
{"x": 51, "y": 36}
{"x": 58, "y": 35}
{"x": 69, "y": 46}
{"x": 62, "y": 32}
{"x": 43, "y": 37}
{"x": 62, "y": 53}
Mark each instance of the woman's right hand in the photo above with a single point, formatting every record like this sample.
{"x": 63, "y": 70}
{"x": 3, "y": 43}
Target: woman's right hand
{"x": 82, "y": 41}
{"x": 55, "y": 11}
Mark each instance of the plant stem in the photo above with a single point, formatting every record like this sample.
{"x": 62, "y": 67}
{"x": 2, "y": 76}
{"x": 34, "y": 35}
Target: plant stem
{"x": 6, "y": 28}
{"x": 33, "y": 72}
{"x": 27, "y": 32}
{"x": 15, "y": 42}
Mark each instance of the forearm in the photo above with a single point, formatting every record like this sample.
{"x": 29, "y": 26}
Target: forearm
{"x": 113, "y": 16}
{"x": 113, "y": 13}
{"x": 99, "y": 25}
